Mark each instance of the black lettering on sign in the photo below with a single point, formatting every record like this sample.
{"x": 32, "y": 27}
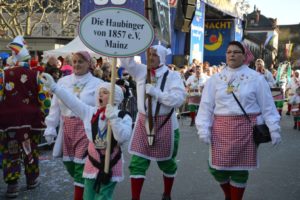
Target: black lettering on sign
{"x": 115, "y": 45}
{"x": 137, "y": 35}
{"x": 117, "y": 34}
{"x": 100, "y": 33}
{"x": 97, "y": 21}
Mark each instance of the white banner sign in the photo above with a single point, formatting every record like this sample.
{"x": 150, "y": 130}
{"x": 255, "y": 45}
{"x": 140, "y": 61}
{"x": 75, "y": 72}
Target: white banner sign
{"x": 116, "y": 32}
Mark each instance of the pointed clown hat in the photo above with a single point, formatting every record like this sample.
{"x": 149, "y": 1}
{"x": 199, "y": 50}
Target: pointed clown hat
{"x": 19, "y": 50}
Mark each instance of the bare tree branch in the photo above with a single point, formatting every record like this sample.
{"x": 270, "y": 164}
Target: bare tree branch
{"x": 28, "y": 17}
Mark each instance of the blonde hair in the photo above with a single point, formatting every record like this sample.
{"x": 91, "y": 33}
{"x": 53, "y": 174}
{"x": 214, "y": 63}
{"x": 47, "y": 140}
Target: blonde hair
{"x": 68, "y": 60}
{"x": 260, "y": 60}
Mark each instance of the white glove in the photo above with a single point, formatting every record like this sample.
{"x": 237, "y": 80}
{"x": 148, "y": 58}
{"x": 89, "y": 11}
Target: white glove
{"x": 205, "y": 139}
{"x": 276, "y": 138}
{"x": 126, "y": 61}
{"x": 50, "y": 139}
{"x": 111, "y": 112}
{"x": 151, "y": 90}
{"x": 48, "y": 81}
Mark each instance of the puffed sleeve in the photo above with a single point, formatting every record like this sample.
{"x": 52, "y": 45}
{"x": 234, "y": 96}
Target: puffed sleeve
{"x": 189, "y": 80}
{"x": 267, "y": 106}
{"x": 175, "y": 94}
{"x": 53, "y": 118}
{"x": 137, "y": 71}
{"x": 270, "y": 79}
{"x": 122, "y": 128}
{"x": 82, "y": 110}
{"x": 204, "y": 118}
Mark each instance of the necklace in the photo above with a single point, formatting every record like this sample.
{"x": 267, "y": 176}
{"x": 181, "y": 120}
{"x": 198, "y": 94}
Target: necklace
{"x": 230, "y": 86}
{"x": 77, "y": 88}
{"x": 100, "y": 140}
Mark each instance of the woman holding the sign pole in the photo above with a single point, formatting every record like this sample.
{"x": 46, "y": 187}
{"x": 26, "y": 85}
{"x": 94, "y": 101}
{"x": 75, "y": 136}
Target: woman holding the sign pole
{"x": 222, "y": 124}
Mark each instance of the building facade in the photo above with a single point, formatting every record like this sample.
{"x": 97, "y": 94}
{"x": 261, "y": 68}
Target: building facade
{"x": 261, "y": 34}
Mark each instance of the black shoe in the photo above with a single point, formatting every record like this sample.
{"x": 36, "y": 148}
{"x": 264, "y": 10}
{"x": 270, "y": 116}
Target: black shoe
{"x": 295, "y": 127}
{"x": 288, "y": 113}
{"x": 164, "y": 197}
{"x": 192, "y": 123}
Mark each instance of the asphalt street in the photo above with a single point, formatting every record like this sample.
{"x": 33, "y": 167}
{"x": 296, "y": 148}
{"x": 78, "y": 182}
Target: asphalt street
{"x": 278, "y": 177}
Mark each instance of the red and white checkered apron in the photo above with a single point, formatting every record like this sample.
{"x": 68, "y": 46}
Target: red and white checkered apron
{"x": 277, "y": 94}
{"x": 295, "y": 110}
{"x": 194, "y": 97}
{"x": 232, "y": 145}
{"x": 194, "y": 100}
{"x": 75, "y": 140}
{"x": 91, "y": 172}
{"x": 163, "y": 141}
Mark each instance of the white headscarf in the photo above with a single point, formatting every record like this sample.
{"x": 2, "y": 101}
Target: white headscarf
{"x": 162, "y": 52}
{"x": 119, "y": 96}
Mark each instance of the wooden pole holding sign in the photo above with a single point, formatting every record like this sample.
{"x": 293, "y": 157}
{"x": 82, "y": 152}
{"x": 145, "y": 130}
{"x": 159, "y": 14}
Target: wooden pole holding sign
{"x": 111, "y": 102}
{"x": 148, "y": 15}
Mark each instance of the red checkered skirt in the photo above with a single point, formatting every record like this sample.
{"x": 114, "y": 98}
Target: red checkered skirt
{"x": 75, "y": 141}
{"x": 295, "y": 110}
{"x": 163, "y": 141}
{"x": 91, "y": 172}
{"x": 232, "y": 144}
{"x": 194, "y": 100}
{"x": 277, "y": 94}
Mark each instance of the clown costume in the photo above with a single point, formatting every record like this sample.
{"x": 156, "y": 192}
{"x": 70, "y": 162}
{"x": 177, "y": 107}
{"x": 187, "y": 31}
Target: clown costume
{"x": 23, "y": 104}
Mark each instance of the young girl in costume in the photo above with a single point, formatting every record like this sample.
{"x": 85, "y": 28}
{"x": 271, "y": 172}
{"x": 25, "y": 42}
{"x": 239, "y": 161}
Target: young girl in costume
{"x": 99, "y": 185}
